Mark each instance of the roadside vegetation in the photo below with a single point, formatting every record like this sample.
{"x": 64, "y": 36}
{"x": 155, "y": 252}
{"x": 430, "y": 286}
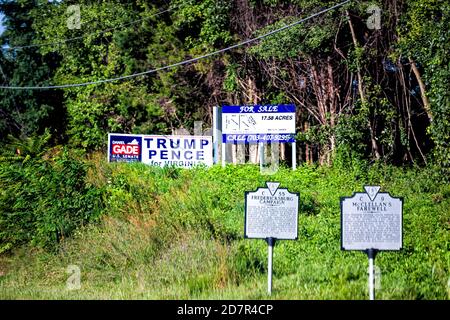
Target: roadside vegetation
{"x": 178, "y": 234}
{"x": 370, "y": 81}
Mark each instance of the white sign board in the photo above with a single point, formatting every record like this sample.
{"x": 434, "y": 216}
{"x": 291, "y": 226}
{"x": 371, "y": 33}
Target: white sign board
{"x": 271, "y": 212}
{"x": 371, "y": 220}
{"x": 158, "y": 150}
{"x": 252, "y": 124}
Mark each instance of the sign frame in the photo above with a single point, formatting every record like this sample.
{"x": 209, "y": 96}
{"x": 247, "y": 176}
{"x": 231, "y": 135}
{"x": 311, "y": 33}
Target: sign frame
{"x": 246, "y": 193}
{"x": 258, "y": 135}
{"x": 342, "y": 199}
{"x": 208, "y": 162}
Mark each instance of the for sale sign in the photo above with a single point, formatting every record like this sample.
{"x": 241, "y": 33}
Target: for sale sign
{"x": 253, "y": 124}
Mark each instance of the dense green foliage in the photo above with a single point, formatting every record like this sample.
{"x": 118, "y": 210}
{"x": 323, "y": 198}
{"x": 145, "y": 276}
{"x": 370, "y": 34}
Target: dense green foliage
{"x": 150, "y": 245}
{"x": 44, "y": 198}
{"x": 27, "y": 112}
{"x": 371, "y": 102}
{"x": 352, "y": 82}
{"x": 425, "y": 36}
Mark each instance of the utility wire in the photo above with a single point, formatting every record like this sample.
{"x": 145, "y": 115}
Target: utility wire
{"x": 88, "y": 34}
{"x": 181, "y": 63}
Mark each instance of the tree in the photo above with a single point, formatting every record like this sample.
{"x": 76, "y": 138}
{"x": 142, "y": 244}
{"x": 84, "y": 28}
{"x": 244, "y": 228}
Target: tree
{"x": 26, "y": 112}
{"x": 424, "y": 39}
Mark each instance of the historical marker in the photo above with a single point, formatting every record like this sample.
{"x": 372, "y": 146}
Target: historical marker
{"x": 272, "y": 214}
{"x": 371, "y": 221}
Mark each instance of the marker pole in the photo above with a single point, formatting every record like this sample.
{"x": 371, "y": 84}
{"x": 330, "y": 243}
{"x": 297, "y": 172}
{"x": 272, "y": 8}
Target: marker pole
{"x": 371, "y": 253}
{"x": 224, "y": 154}
{"x": 271, "y": 243}
{"x": 294, "y": 155}
{"x": 215, "y": 135}
{"x": 261, "y": 156}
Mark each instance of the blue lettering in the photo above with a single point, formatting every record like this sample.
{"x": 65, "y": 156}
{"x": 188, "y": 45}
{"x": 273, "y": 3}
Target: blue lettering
{"x": 174, "y": 146}
{"x": 161, "y": 142}
{"x": 164, "y": 155}
{"x": 151, "y": 153}
{"x": 189, "y": 144}
{"x": 176, "y": 154}
{"x": 203, "y": 143}
{"x": 148, "y": 141}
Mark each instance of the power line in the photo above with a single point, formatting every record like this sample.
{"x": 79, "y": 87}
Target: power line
{"x": 178, "y": 63}
{"x": 88, "y": 34}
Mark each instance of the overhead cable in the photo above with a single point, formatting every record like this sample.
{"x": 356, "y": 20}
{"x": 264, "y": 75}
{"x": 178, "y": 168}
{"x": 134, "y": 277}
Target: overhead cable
{"x": 181, "y": 63}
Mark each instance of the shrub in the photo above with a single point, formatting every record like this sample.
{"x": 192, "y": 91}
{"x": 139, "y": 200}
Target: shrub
{"x": 43, "y": 200}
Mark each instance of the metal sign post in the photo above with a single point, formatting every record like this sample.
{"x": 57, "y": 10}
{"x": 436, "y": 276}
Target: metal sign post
{"x": 224, "y": 154}
{"x": 371, "y": 221}
{"x": 261, "y": 155}
{"x": 371, "y": 253}
{"x": 294, "y": 156}
{"x": 216, "y": 134}
{"x": 271, "y": 244}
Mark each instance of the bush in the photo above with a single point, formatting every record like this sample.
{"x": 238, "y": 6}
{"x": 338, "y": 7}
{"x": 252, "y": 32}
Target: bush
{"x": 43, "y": 200}
{"x": 179, "y": 234}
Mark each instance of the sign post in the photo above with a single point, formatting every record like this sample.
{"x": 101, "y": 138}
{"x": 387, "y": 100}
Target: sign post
{"x": 261, "y": 155}
{"x": 272, "y": 214}
{"x": 271, "y": 244}
{"x": 294, "y": 156}
{"x": 371, "y": 221}
{"x": 371, "y": 253}
{"x": 216, "y": 131}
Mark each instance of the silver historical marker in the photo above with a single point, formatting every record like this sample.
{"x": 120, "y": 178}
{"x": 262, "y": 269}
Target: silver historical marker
{"x": 272, "y": 214}
{"x": 371, "y": 221}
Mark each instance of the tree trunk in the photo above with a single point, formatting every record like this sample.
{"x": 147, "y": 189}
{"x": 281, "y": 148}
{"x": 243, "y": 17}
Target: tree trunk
{"x": 283, "y": 151}
{"x": 332, "y": 103}
{"x": 308, "y": 152}
{"x": 426, "y": 103}
{"x": 361, "y": 92}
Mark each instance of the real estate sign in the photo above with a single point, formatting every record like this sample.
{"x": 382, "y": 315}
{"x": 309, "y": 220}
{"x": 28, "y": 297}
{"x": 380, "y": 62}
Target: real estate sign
{"x": 253, "y": 124}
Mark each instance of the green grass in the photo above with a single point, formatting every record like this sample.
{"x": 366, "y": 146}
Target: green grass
{"x": 178, "y": 234}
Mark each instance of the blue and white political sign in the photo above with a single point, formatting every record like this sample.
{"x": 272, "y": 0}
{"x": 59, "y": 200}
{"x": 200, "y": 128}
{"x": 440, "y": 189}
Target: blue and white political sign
{"x": 253, "y": 124}
{"x": 371, "y": 220}
{"x": 158, "y": 150}
{"x": 124, "y": 148}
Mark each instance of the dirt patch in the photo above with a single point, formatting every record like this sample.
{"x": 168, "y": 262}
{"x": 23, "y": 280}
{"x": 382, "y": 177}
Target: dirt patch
{"x": 3, "y": 266}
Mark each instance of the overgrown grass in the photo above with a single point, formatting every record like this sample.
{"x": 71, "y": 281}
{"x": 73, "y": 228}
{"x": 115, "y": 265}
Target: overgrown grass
{"x": 178, "y": 234}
